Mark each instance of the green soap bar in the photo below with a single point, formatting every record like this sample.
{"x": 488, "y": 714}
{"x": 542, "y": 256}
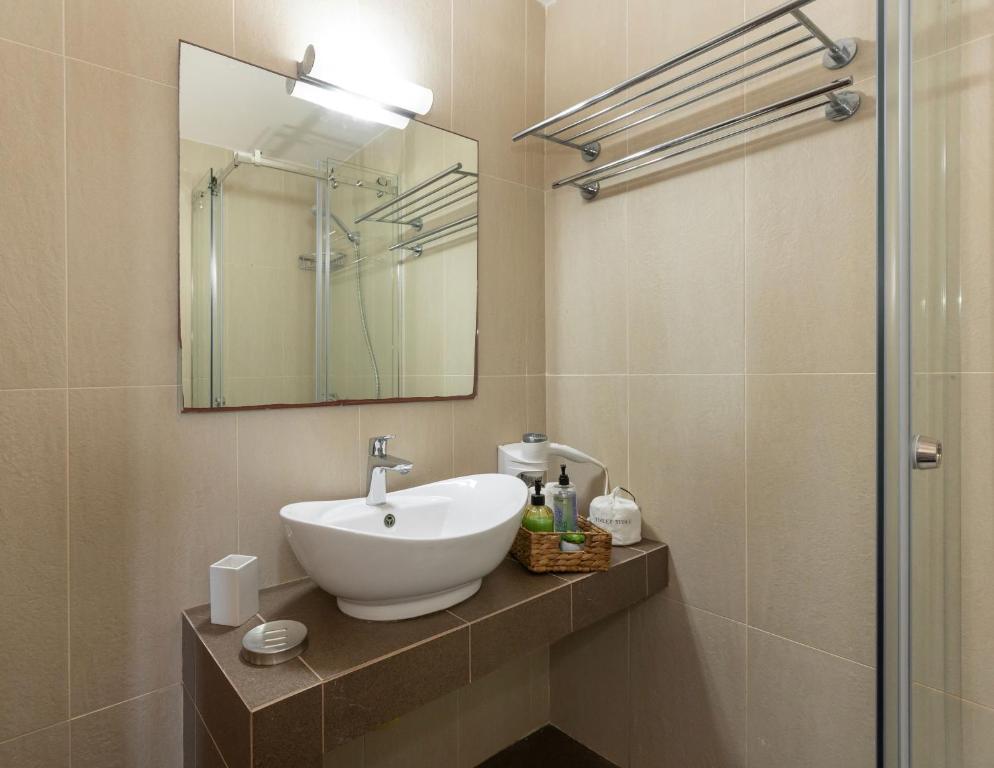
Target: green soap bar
{"x": 574, "y": 538}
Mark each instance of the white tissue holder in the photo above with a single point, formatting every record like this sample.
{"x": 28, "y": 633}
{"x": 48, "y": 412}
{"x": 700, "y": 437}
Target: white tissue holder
{"x": 234, "y": 590}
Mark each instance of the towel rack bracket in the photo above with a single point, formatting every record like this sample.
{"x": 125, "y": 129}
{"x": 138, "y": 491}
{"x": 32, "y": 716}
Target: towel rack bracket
{"x": 845, "y": 51}
{"x": 591, "y": 151}
{"x": 589, "y": 191}
{"x": 842, "y": 105}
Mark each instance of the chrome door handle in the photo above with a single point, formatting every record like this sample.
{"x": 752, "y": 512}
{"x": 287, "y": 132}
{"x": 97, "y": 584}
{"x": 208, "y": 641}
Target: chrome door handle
{"x": 926, "y": 452}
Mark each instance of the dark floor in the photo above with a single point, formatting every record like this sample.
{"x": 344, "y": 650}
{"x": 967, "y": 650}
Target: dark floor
{"x": 548, "y": 747}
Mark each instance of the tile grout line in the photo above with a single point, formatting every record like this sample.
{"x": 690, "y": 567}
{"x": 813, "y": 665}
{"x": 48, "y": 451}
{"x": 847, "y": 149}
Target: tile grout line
{"x": 518, "y": 604}
{"x": 65, "y": 260}
{"x": 200, "y": 717}
{"x": 238, "y": 510}
{"x": 123, "y": 701}
{"x": 745, "y": 398}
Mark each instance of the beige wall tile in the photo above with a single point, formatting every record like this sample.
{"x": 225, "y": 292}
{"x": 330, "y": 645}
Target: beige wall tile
{"x": 688, "y": 687}
{"x": 594, "y": 706}
{"x": 147, "y": 731}
{"x": 838, "y": 19}
{"x": 33, "y": 552}
{"x": 586, "y": 47}
{"x": 48, "y": 748}
{"x": 688, "y": 473}
{"x": 590, "y": 413}
{"x": 425, "y": 738}
{"x": 274, "y": 33}
{"x": 414, "y": 42}
{"x": 976, "y": 599}
{"x": 423, "y": 433}
{"x": 507, "y": 253}
{"x": 140, "y": 36}
{"x": 970, "y": 75}
{"x": 532, "y": 281}
{"x": 535, "y": 90}
{"x": 33, "y": 22}
{"x": 495, "y": 417}
{"x": 968, "y": 20}
{"x": 123, "y": 323}
{"x": 490, "y": 39}
{"x": 658, "y": 31}
{"x": 807, "y": 707}
{"x": 32, "y": 216}
{"x": 152, "y": 505}
{"x": 812, "y": 517}
{"x": 686, "y": 261}
{"x": 286, "y": 456}
{"x": 978, "y": 735}
{"x": 535, "y": 394}
{"x": 948, "y": 732}
{"x": 810, "y": 265}
{"x": 502, "y": 707}
{"x": 585, "y": 283}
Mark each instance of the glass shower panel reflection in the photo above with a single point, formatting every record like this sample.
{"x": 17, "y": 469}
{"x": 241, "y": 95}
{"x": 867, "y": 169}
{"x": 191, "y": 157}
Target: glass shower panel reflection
{"x": 197, "y": 275}
{"x": 361, "y": 284}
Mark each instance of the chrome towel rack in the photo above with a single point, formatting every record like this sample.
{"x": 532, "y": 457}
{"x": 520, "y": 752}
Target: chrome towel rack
{"x": 585, "y": 125}
{"x": 429, "y": 197}
{"x": 417, "y": 243}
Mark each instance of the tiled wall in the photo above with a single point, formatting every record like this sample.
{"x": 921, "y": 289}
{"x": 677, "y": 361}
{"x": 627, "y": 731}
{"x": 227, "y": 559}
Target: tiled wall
{"x": 112, "y": 503}
{"x": 711, "y": 334}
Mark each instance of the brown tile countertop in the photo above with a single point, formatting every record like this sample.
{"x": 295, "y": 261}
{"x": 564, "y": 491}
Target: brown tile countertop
{"x": 356, "y": 675}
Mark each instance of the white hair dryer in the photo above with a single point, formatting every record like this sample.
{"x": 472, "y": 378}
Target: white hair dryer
{"x": 529, "y": 459}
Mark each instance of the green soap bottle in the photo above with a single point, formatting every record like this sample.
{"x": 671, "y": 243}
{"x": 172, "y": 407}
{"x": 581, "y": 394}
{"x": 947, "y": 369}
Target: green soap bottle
{"x": 538, "y": 517}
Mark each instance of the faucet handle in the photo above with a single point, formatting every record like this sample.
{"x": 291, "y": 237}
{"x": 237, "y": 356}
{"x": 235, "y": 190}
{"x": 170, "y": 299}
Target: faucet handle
{"x": 378, "y": 445}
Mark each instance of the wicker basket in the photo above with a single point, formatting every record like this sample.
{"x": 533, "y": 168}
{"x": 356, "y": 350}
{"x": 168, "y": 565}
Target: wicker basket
{"x": 540, "y": 553}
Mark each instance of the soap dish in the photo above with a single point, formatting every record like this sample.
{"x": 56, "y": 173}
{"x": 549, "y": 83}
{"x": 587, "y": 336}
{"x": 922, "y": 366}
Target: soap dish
{"x": 274, "y": 642}
{"x": 541, "y": 553}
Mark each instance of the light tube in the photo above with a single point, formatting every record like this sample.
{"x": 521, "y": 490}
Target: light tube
{"x": 391, "y": 93}
{"x": 345, "y": 102}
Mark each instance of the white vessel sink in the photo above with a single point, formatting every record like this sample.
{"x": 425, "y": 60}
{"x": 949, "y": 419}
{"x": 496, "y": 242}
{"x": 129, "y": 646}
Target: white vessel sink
{"x": 426, "y": 549}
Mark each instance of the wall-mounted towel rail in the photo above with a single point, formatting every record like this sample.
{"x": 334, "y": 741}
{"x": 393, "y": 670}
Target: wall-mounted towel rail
{"x": 435, "y": 194}
{"x": 837, "y": 105}
{"x": 586, "y": 124}
{"x": 417, "y": 243}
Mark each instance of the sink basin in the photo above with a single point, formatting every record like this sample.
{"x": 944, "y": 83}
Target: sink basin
{"x": 426, "y": 549}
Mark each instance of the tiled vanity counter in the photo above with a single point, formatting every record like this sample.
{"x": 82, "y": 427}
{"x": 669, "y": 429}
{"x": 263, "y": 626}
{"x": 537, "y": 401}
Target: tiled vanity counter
{"x": 356, "y": 675}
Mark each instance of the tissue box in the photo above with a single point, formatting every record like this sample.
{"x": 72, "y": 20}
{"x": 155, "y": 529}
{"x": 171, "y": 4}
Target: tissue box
{"x": 234, "y": 590}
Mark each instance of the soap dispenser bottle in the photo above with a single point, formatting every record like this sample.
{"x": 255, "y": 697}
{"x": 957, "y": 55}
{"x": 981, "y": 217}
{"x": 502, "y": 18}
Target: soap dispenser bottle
{"x": 538, "y": 517}
{"x": 564, "y": 502}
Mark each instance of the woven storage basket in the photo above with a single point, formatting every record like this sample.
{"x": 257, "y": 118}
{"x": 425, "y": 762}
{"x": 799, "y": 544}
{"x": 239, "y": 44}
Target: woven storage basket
{"x": 540, "y": 553}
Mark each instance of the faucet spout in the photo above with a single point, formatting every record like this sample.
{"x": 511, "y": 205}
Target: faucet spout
{"x": 378, "y": 464}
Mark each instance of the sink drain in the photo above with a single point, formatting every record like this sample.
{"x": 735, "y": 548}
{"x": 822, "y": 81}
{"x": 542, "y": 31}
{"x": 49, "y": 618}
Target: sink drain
{"x": 389, "y": 521}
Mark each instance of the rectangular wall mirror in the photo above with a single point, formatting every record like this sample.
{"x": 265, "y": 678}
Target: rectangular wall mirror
{"x": 324, "y": 258}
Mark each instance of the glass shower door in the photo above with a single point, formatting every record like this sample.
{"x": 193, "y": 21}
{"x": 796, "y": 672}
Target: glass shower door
{"x": 936, "y": 386}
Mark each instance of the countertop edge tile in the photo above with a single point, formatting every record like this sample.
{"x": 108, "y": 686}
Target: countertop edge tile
{"x": 420, "y": 671}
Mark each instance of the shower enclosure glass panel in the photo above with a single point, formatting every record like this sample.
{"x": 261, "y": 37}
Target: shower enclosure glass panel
{"x": 936, "y": 630}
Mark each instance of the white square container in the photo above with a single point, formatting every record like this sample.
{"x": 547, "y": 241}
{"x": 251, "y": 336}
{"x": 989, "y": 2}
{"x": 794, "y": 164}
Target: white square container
{"x": 234, "y": 590}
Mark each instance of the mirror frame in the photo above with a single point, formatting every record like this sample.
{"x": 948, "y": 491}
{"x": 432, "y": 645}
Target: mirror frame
{"x": 184, "y": 408}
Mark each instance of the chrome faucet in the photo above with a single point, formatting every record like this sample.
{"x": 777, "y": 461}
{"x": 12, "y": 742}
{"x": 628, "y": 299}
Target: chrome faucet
{"x": 377, "y": 466}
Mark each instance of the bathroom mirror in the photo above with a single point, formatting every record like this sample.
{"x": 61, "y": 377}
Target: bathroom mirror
{"x": 324, "y": 258}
